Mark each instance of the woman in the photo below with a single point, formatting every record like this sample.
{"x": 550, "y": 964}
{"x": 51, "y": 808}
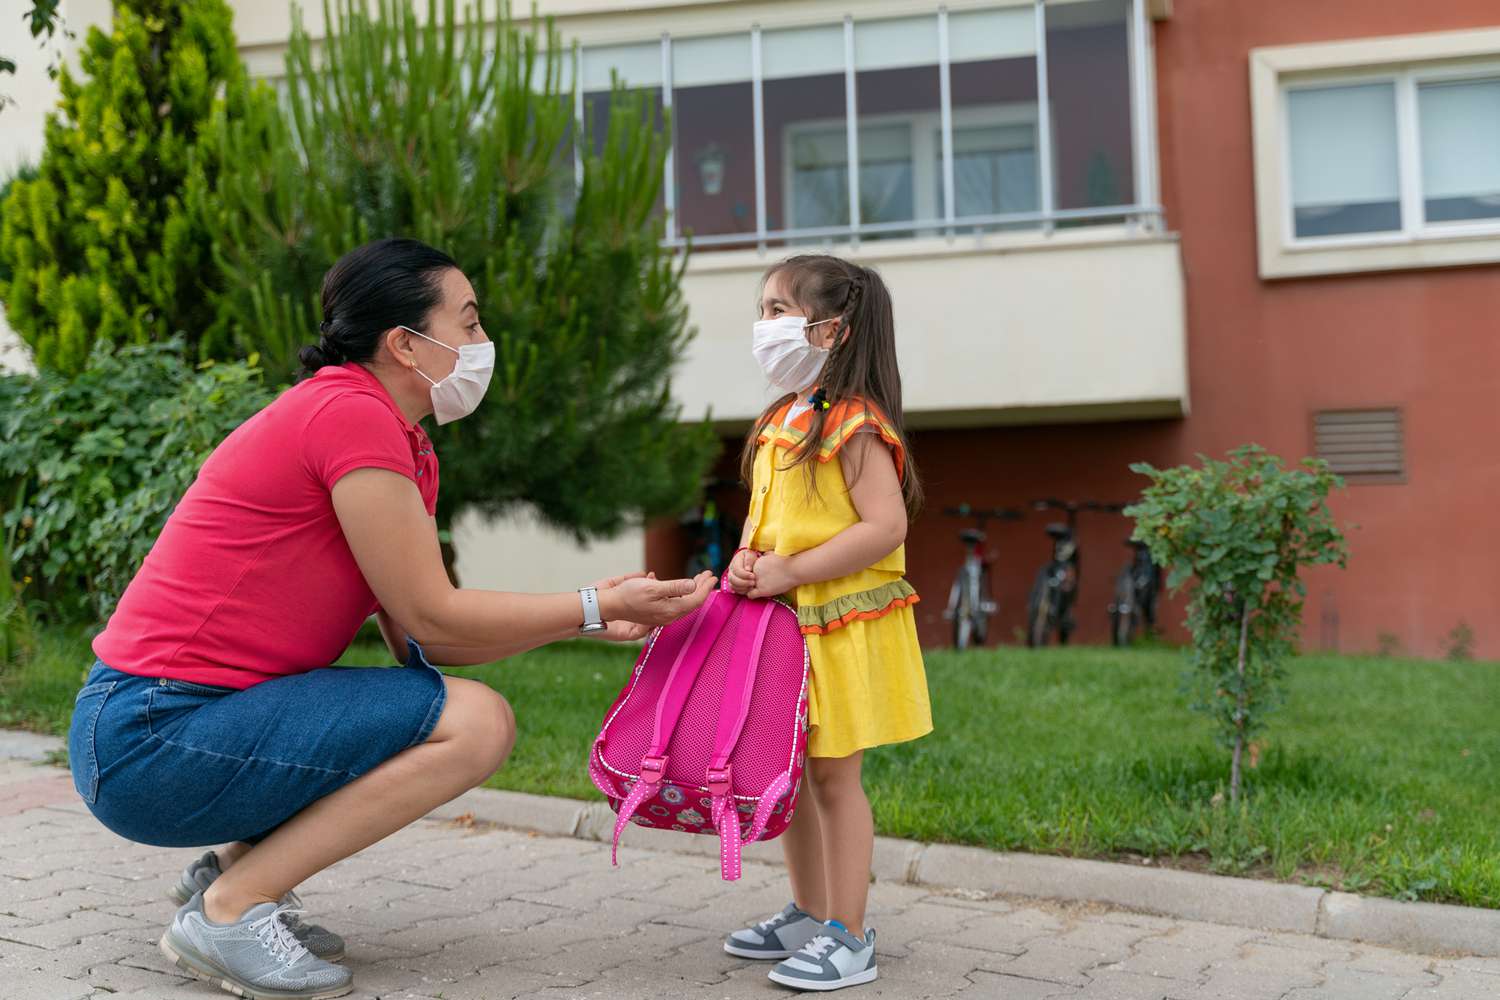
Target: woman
{"x": 212, "y": 715}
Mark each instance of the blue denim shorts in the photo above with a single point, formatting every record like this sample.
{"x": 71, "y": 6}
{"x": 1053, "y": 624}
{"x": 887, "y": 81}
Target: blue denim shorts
{"x": 176, "y": 764}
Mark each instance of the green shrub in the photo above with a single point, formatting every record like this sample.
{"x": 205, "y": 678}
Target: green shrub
{"x": 1241, "y": 531}
{"x": 99, "y": 244}
{"x": 90, "y": 466}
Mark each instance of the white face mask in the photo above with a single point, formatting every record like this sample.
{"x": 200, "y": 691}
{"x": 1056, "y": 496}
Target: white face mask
{"x": 459, "y": 394}
{"x": 784, "y": 353}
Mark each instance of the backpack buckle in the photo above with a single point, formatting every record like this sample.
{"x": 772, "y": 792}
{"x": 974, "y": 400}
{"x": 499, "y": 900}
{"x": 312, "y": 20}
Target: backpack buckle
{"x": 720, "y": 780}
{"x": 652, "y": 769}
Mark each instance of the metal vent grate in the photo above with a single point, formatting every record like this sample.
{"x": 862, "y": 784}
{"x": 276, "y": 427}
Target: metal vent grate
{"x": 1361, "y": 444}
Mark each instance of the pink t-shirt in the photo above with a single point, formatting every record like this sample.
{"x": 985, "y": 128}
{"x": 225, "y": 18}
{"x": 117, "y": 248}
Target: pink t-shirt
{"x": 252, "y": 578}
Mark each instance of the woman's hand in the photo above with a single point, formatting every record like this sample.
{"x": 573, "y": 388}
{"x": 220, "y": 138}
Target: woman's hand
{"x": 774, "y": 576}
{"x": 741, "y": 571}
{"x": 650, "y": 602}
{"x": 623, "y": 631}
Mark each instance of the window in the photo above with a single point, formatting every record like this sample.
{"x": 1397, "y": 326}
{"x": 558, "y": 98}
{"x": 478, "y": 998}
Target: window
{"x": 1377, "y": 154}
{"x": 1016, "y": 116}
{"x": 1343, "y": 151}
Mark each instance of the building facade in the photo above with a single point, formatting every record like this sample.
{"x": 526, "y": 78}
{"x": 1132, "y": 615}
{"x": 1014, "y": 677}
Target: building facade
{"x": 1115, "y": 231}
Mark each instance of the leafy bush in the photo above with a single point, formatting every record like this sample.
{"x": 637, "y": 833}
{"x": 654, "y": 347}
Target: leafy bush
{"x": 1241, "y": 531}
{"x": 99, "y": 244}
{"x": 91, "y": 465}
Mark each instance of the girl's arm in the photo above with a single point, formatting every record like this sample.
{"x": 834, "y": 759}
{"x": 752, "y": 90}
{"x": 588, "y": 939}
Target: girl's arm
{"x": 877, "y": 498}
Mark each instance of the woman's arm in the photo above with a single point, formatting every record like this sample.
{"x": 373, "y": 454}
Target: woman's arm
{"x": 395, "y": 543}
{"x": 877, "y": 498}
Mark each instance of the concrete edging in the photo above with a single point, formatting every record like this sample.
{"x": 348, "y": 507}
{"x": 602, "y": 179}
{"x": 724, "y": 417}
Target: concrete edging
{"x": 1241, "y": 902}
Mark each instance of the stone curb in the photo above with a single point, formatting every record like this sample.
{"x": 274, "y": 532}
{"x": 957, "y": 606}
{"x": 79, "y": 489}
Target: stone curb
{"x": 1240, "y": 902}
{"x": 1419, "y": 927}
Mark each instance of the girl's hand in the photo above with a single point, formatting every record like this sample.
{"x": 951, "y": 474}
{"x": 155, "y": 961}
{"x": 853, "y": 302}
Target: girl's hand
{"x": 741, "y": 571}
{"x": 773, "y": 576}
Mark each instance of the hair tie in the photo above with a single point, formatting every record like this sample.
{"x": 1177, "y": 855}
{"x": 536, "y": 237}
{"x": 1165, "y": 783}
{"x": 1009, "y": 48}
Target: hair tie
{"x": 819, "y": 400}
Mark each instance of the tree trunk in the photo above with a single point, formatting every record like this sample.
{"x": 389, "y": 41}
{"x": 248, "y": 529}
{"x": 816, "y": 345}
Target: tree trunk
{"x": 1239, "y": 708}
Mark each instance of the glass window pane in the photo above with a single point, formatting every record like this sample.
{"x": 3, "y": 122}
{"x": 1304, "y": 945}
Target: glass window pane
{"x": 807, "y": 159}
{"x": 713, "y": 115}
{"x": 1345, "y": 173}
{"x": 1088, "y": 87}
{"x": 1460, "y": 125}
{"x": 899, "y": 101}
{"x": 992, "y": 74}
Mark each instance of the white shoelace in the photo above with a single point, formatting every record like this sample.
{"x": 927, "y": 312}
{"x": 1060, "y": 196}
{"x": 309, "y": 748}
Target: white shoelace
{"x": 818, "y": 946}
{"x": 276, "y": 937}
{"x": 766, "y": 925}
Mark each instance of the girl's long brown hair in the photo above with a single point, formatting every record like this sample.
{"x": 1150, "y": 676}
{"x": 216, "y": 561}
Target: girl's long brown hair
{"x": 860, "y": 366}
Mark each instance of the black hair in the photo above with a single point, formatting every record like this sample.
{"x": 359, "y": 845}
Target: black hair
{"x": 386, "y": 283}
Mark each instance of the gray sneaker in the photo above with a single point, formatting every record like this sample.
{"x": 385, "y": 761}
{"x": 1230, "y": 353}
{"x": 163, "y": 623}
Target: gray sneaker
{"x": 776, "y": 938}
{"x": 317, "y": 939}
{"x": 257, "y": 957}
{"x": 832, "y": 960}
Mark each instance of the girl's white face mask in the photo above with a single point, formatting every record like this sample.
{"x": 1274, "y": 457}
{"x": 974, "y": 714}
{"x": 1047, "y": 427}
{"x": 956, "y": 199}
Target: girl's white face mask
{"x": 781, "y": 346}
{"x": 459, "y": 394}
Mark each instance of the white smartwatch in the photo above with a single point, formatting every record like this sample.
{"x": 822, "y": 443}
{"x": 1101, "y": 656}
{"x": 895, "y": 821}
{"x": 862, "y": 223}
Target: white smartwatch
{"x": 592, "y": 621}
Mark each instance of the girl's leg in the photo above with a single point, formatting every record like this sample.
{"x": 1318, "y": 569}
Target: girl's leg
{"x": 802, "y": 846}
{"x": 473, "y": 737}
{"x": 848, "y": 837}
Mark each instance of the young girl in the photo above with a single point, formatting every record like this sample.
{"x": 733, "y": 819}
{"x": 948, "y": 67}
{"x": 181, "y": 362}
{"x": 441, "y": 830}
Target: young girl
{"x": 831, "y": 491}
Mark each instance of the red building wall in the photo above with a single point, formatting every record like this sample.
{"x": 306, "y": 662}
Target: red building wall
{"x": 1264, "y": 356}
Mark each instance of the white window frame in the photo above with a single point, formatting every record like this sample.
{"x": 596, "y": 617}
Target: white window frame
{"x": 1142, "y": 215}
{"x": 1407, "y": 62}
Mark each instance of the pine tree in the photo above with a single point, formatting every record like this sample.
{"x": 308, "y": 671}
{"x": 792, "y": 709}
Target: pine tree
{"x": 100, "y": 246}
{"x": 460, "y": 135}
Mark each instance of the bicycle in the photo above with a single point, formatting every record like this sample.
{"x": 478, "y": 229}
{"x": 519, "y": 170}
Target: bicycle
{"x": 1049, "y": 607}
{"x": 1136, "y": 589}
{"x": 971, "y": 602}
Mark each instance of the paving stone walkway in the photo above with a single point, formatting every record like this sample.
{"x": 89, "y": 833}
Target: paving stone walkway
{"x": 449, "y": 911}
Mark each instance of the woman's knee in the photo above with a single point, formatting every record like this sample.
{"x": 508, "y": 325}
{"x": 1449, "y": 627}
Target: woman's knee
{"x": 479, "y": 725}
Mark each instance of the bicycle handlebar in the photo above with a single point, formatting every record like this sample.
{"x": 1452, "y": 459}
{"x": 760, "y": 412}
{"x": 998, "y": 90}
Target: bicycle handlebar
{"x": 984, "y": 513}
{"x": 1073, "y": 506}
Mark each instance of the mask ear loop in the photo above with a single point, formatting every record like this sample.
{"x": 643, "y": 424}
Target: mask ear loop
{"x": 424, "y": 336}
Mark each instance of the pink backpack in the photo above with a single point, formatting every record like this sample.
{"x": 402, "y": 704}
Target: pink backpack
{"x": 710, "y": 733}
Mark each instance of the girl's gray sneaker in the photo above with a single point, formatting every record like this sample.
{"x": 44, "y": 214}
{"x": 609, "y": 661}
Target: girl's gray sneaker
{"x": 830, "y": 961}
{"x": 317, "y": 939}
{"x": 257, "y": 956}
{"x": 776, "y": 938}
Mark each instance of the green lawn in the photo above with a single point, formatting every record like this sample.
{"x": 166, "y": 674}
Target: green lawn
{"x": 1379, "y": 776}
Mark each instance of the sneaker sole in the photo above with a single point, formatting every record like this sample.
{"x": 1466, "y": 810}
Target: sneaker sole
{"x": 195, "y": 966}
{"x": 868, "y": 976}
{"x": 762, "y": 956}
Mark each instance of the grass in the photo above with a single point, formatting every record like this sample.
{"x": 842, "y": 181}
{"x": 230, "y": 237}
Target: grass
{"x": 1379, "y": 776}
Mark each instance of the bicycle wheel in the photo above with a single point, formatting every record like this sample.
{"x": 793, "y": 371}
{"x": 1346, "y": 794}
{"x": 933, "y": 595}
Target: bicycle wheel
{"x": 1039, "y": 609}
{"x": 984, "y": 607}
{"x": 963, "y": 611}
{"x": 1122, "y": 615}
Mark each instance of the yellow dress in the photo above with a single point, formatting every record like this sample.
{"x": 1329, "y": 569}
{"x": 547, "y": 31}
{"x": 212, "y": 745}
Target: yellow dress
{"x": 868, "y": 686}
